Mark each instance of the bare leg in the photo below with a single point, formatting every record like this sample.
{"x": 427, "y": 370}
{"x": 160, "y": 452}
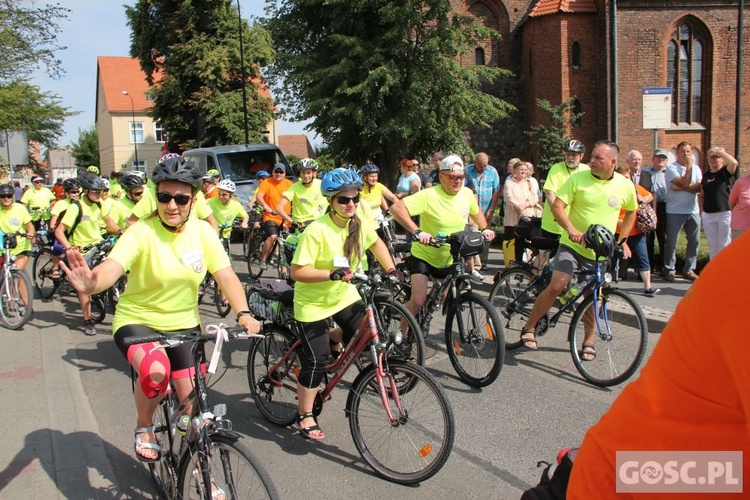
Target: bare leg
{"x": 543, "y": 304}
{"x": 306, "y": 398}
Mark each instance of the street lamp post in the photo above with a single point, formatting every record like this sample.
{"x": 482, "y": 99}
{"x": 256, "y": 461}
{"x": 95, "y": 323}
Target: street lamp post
{"x": 132, "y": 130}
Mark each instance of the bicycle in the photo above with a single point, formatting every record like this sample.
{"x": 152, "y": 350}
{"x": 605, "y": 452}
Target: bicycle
{"x": 476, "y": 345}
{"x": 399, "y": 416}
{"x": 209, "y": 458}
{"x": 107, "y": 299}
{"x": 13, "y": 312}
{"x": 617, "y": 318}
{"x": 222, "y": 305}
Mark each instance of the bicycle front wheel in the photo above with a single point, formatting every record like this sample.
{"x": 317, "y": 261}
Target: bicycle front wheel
{"x": 232, "y": 468}
{"x": 98, "y": 307}
{"x": 255, "y": 250}
{"x": 274, "y": 392}
{"x": 15, "y": 311}
{"x": 220, "y": 301}
{"x": 164, "y": 471}
{"x": 476, "y": 353}
{"x": 512, "y": 298}
{"x": 620, "y": 337}
{"x": 41, "y": 271}
{"x": 395, "y": 321}
{"x": 418, "y": 444}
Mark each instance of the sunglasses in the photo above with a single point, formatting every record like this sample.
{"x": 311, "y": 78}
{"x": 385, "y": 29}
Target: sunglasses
{"x": 344, "y": 200}
{"x": 279, "y": 172}
{"x": 37, "y": 182}
{"x": 73, "y": 192}
{"x": 454, "y": 178}
{"x": 94, "y": 191}
{"x": 180, "y": 199}
{"x": 136, "y": 193}
{"x": 6, "y": 196}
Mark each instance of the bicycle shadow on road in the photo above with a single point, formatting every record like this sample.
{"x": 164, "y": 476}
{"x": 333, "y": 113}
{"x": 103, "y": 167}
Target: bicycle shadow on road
{"x": 557, "y": 373}
{"x": 67, "y": 460}
{"x": 102, "y": 356}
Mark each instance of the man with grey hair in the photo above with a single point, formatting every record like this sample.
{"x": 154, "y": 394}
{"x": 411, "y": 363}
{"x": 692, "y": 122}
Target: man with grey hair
{"x": 637, "y": 174}
{"x": 487, "y": 187}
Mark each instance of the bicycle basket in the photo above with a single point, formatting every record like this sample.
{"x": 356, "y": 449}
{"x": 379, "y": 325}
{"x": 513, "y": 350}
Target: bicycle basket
{"x": 466, "y": 243}
{"x": 271, "y": 300}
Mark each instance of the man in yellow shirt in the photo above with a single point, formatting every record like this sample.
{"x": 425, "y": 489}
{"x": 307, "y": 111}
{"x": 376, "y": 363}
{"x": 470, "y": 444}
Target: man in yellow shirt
{"x": 37, "y": 198}
{"x": 308, "y": 202}
{"x": 226, "y": 208}
{"x": 133, "y": 188}
{"x": 556, "y": 177}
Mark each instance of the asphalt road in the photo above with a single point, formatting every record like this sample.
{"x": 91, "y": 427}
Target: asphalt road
{"x": 538, "y": 405}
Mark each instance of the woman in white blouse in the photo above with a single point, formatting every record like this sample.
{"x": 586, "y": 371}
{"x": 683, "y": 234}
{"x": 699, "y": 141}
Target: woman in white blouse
{"x": 521, "y": 199}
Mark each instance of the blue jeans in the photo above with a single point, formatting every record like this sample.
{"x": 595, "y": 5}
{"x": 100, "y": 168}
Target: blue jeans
{"x": 692, "y": 225}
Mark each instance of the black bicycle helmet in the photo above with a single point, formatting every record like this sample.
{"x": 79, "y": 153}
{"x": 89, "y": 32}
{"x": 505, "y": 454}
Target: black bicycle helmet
{"x": 574, "y": 146}
{"x": 71, "y": 185}
{"x": 6, "y": 189}
{"x": 131, "y": 181}
{"x": 339, "y": 180}
{"x": 370, "y": 168}
{"x": 601, "y": 240}
{"x": 177, "y": 169}
{"x": 91, "y": 181}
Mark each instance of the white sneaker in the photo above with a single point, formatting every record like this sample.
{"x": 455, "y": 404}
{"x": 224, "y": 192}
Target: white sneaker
{"x": 476, "y": 276}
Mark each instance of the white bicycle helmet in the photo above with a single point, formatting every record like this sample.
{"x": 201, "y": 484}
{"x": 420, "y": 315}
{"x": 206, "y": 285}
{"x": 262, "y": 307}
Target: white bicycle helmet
{"x": 105, "y": 182}
{"x": 227, "y": 185}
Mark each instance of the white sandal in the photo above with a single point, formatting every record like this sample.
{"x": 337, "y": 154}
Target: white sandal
{"x": 139, "y": 431}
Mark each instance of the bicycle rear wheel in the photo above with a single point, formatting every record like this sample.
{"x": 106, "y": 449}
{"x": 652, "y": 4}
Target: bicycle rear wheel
{"x": 478, "y": 356}
{"x": 232, "y": 468}
{"x": 221, "y": 303}
{"x": 417, "y": 446}
{"x": 98, "y": 307}
{"x": 164, "y": 471}
{"x": 620, "y": 342}
{"x": 41, "y": 272}
{"x": 274, "y": 393}
{"x": 13, "y": 312}
{"x": 255, "y": 250}
{"x": 509, "y": 296}
{"x": 390, "y": 315}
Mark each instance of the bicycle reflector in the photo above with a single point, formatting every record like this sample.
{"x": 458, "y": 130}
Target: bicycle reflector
{"x": 426, "y": 450}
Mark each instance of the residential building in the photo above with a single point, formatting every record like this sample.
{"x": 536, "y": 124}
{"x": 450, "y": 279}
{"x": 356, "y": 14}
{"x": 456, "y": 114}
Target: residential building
{"x": 297, "y": 145}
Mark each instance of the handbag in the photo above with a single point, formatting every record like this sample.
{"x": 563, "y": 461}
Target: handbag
{"x": 466, "y": 243}
{"x": 645, "y": 218}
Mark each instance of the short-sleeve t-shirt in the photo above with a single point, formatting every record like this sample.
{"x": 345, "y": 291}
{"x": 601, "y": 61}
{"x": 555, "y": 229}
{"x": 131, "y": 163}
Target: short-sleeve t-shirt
{"x": 594, "y": 201}
{"x": 166, "y": 269}
{"x": 87, "y": 231}
{"x": 14, "y": 220}
{"x": 226, "y": 213}
{"x": 682, "y": 202}
{"x": 147, "y": 204}
{"x": 716, "y": 188}
{"x": 272, "y": 192}
{"x": 125, "y": 208}
{"x": 404, "y": 182}
{"x": 373, "y": 195}
{"x": 308, "y": 202}
{"x": 60, "y": 206}
{"x": 694, "y": 391}
{"x": 441, "y": 213}
{"x": 115, "y": 189}
{"x": 322, "y": 247}
{"x": 38, "y": 198}
{"x": 558, "y": 174}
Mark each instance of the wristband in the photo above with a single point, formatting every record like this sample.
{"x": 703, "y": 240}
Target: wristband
{"x": 416, "y": 234}
{"x": 242, "y": 313}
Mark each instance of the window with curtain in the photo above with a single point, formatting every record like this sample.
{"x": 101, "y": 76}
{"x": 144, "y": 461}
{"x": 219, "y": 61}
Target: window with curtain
{"x": 136, "y": 132}
{"x": 685, "y": 74}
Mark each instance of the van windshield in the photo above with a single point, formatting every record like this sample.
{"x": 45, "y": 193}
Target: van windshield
{"x": 244, "y": 165}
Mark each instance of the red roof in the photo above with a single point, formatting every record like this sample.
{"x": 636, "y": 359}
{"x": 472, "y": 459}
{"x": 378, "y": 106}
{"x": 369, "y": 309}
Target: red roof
{"x": 123, "y": 73}
{"x": 544, "y": 7}
{"x": 297, "y": 145}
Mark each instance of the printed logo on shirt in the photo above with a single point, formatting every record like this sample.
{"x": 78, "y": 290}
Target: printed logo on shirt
{"x": 193, "y": 259}
{"x": 613, "y": 201}
{"x": 15, "y": 221}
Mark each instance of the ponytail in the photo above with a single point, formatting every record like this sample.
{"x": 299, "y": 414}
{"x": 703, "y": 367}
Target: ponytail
{"x": 352, "y": 245}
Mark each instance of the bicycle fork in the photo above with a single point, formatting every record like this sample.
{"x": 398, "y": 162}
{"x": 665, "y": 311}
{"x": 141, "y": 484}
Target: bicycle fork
{"x": 380, "y": 375}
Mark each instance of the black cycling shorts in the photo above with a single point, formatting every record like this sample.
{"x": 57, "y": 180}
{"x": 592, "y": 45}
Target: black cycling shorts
{"x": 271, "y": 228}
{"x": 416, "y": 265}
{"x": 180, "y": 357}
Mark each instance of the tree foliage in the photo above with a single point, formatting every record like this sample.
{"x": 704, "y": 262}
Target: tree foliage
{"x": 547, "y": 140}
{"x": 86, "y": 148}
{"x": 381, "y": 79}
{"x": 28, "y": 39}
{"x": 190, "y": 53}
{"x": 25, "y": 107}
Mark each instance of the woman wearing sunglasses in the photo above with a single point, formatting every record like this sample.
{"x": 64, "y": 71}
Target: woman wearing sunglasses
{"x": 14, "y": 217}
{"x": 167, "y": 255}
{"x": 329, "y": 251}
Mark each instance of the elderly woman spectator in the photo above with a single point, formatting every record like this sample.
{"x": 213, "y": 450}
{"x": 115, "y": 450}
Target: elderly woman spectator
{"x": 408, "y": 183}
{"x": 739, "y": 202}
{"x": 715, "y": 188}
{"x": 521, "y": 199}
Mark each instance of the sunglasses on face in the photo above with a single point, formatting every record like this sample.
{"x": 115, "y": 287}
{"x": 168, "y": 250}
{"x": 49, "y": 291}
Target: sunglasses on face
{"x": 37, "y": 182}
{"x": 278, "y": 172}
{"x": 73, "y": 192}
{"x": 454, "y": 178}
{"x": 6, "y": 196}
{"x": 344, "y": 200}
{"x": 180, "y": 199}
{"x": 136, "y": 193}
{"x": 94, "y": 191}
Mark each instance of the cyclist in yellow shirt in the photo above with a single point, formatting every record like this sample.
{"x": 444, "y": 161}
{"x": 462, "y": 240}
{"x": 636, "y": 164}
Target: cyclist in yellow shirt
{"x": 329, "y": 250}
{"x": 15, "y": 218}
{"x": 226, "y": 208}
{"x": 167, "y": 255}
{"x": 308, "y": 203}
{"x": 37, "y": 198}
{"x": 72, "y": 192}
{"x": 375, "y": 193}
{"x": 556, "y": 177}
{"x": 133, "y": 188}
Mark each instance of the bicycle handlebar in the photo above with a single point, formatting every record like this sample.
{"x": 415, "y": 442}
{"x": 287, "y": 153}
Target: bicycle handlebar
{"x": 171, "y": 339}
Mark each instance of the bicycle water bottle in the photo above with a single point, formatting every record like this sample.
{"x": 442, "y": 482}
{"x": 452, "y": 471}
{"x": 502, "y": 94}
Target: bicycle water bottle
{"x": 570, "y": 293}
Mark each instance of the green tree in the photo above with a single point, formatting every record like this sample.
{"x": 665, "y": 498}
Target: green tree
{"x": 25, "y": 107}
{"x": 382, "y": 79}
{"x": 547, "y": 140}
{"x": 86, "y": 148}
{"x": 190, "y": 53}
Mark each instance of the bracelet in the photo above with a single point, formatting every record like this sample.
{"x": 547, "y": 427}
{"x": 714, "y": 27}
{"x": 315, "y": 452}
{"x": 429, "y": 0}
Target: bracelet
{"x": 242, "y": 313}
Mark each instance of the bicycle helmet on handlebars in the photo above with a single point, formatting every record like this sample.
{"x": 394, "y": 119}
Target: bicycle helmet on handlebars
{"x": 131, "y": 181}
{"x": 601, "y": 240}
{"x": 6, "y": 189}
{"x": 178, "y": 170}
{"x": 227, "y": 185}
{"x": 308, "y": 164}
{"x": 339, "y": 180}
{"x": 370, "y": 168}
{"x": 574, "y": 146}
{"x": 91, "y": 182}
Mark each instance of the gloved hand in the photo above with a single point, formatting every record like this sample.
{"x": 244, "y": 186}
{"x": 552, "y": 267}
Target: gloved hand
{"x": 396, "y": 274}
{"x": 341, "y": 274}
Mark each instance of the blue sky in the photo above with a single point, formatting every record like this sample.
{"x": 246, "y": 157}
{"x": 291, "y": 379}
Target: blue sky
{"x": 98, "y": 28}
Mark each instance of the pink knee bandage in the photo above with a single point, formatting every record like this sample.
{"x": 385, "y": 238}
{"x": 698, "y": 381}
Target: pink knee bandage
{"x": 150, "y": 387}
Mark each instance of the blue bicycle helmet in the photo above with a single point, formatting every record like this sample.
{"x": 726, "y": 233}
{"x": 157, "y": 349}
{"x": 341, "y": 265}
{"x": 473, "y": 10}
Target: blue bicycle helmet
{"x": 262, "y": 175}
{"x": 370, "y": 168}
{"x": 339, "y": 180}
